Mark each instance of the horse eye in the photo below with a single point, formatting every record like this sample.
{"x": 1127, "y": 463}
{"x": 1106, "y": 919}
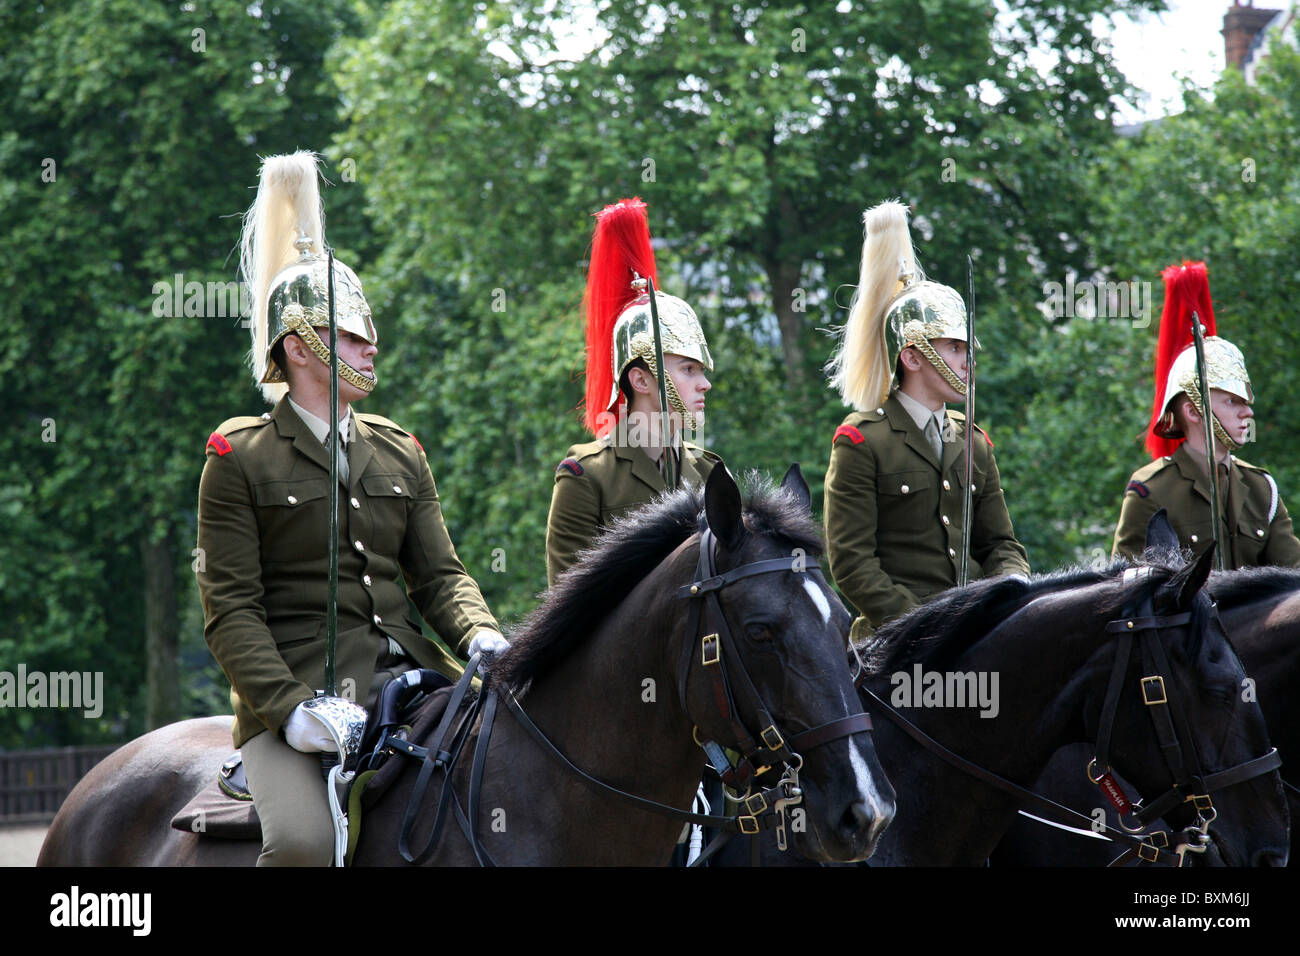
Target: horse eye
{"x": 758, "y": 632}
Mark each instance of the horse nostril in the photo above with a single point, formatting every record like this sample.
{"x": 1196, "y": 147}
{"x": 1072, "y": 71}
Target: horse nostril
{"x": 1272, "y": 857}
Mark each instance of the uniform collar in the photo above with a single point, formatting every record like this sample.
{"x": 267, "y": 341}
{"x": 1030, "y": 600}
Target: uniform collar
{"x": 1191, "y": 470}
{"x": 293, "y": 425}
{"x": 901, "y": 420}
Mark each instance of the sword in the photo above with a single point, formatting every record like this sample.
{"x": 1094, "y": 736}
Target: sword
{"x": 327, "y": 759}
{"x": 670, "y": 466}
{"x": 963, "y": 570}
{"x": 1207, "y": 416}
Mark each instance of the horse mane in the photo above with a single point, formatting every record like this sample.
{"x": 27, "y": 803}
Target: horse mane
{"x": 620, "y": 559}
{"x": 1232, "y": 589}
{"x": 955, "y": 620}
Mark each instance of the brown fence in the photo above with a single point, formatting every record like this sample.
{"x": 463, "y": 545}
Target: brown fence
{"x": 33, "y": 783}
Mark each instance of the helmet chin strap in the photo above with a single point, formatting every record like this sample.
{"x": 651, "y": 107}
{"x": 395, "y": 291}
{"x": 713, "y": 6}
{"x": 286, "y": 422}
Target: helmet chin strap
{"x": 1220, "y": 433}
{"x": 350, "y": 375}
{"x": 942, "y": 367}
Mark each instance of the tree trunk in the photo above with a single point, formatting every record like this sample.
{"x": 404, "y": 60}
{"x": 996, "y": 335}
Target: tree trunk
{"x": 161, "y": 630}
{"x": 788, "y": 302}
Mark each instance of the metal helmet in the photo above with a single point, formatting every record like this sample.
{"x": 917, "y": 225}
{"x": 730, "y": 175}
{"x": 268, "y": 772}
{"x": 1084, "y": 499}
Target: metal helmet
{"x": 924, "y": 311}
{"x": 284, "y": 263}
{"x": 299, "y": 302}
{"x": 892, "y": 294}
{"x": 1187, "y": 294}
{"x": 634, "y": 338}
{"x": 620, "y": 329}
{"x": 1225, "y": 369}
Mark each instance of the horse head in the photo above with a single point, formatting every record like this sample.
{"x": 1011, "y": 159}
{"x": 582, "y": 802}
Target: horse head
{"x": 1201, "y": 756}
{"x": 769, "y": 633}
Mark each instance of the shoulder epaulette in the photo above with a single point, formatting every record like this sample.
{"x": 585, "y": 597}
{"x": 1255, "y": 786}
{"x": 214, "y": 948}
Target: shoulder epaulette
{"x": 849, "y": 432}
{"x": 570, "y": 465}
{"x": 1138, "y": 488}
{"x": 370, "y": 419}
{"x": 219, "y": 442}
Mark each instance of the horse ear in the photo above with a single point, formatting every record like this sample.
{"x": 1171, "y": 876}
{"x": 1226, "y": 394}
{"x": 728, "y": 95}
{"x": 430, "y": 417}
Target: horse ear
{"x": 1160, "y": 533}
{"x": 722, "y": 507}
{"x": 794, "y": 482}
{"x": 1187, "y": 583}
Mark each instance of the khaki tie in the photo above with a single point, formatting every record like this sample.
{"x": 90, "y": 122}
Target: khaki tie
{"x": 343, "y": 455}
{"x": 932, "y": 436}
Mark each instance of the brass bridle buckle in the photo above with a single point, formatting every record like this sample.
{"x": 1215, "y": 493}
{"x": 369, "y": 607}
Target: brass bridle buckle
{"x": 1152, "y": 686}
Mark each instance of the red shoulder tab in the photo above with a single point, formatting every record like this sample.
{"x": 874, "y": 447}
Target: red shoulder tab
{"x": 1138, "y": 488}
{"x": 570, "y": 465}
{"x": 217, "y": 441}
{"x": 417, "y": 442}
{"x": 852, "y": 433}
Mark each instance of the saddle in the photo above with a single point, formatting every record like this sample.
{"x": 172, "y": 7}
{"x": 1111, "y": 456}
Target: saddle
{"x": 408, "y": 705}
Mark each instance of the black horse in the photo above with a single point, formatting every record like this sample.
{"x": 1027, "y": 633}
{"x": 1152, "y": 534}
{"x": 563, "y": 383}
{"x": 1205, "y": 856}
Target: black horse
{"x": 598, "y": 667}
{"x": 1260, "y": 611}
{"x": 1043, "y": 650}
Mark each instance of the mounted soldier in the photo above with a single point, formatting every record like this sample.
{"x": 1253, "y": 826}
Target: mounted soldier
{"x": 264, "y": 515}
{"x": 639, "y": 452}
{"x": 1253, "y": 526}
{"x": 898, "y": 503}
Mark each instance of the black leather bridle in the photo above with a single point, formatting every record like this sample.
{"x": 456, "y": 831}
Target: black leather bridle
{"x": 1173, "y": 733}
{"x": 760, "y": 753}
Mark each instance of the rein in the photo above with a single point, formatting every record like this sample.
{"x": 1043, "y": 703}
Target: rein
{"x": 760, "y": 752}
{"x": 1189, "y": 785}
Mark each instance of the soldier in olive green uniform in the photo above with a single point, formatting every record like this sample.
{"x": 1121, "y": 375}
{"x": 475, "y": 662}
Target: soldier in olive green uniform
{"x": 628, "y": 465}
{"x": 263, "y": 526}
{"x": 894, "y": 489}
{"x": 1254, "y": 527}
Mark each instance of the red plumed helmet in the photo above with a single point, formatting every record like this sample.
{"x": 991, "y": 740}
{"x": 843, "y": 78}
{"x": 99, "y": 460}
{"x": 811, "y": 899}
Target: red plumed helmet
{"x": 1187, "y": 290}
{"x": 620, "y": 247}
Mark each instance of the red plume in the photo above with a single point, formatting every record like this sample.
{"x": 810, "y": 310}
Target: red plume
{"x": 1187, "y": 290}
{"x": 620, "y": 246}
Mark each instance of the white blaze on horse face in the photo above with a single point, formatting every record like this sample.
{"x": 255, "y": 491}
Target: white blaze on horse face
{"x": 818, "y": 599}
{"x": 866, "y": 784}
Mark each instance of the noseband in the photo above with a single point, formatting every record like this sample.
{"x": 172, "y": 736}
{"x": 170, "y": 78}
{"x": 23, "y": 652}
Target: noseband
{"x": 730, "y": 683}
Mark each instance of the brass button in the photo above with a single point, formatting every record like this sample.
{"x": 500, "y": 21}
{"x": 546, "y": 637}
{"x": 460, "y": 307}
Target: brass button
{"x": 355, "y": 503}
{"x": 952, "y": 552}
{"x": 1194, "y": 539}
{"x": 365, "y": 578}
{"x": 293, "y": 500}
{"x": 1259, "y": 532}
{"x": 904, "y": 489}
{"x": 880, "y": 411}
{"x": 378, "y": 619}
{"x": 972, "y": 489}
{"x": 945, "y": 519}
{"x": 397, "y": 489}
{"x": 358, "y": 545}
{"x": 946, "y": 485}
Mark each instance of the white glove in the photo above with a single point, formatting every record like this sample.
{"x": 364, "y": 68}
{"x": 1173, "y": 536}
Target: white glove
{"x": 487, "y": 642}
{"x": 304, "y": 732}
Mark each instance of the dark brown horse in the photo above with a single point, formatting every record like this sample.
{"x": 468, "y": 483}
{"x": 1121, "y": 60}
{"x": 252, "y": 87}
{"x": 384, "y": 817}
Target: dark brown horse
{"x": 597, "y": 668}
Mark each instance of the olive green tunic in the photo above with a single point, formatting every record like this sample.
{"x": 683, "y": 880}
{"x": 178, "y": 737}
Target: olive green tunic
{"x": 263, "y": 526}
{"x": 894, "y": 513}
{"x": 599, "y": 481}
{"x": 1254, "y": 528}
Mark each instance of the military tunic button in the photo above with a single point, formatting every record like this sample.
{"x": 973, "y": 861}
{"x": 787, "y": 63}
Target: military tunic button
{"x": 945, "y": 519}
{"x": 355, "y": 503}
{"x": 378, "y": 619}
{"x": 904, "y": 489}
{"x": 946, "y": 485}
{"x": 1259, "y": 532}
{"x": 952, "y": 552}
{"x": 397, "y": 489}
{"x": 365, "y": 578}
{"x": 358, "y": 545}
{"x": 1194, "y": 539}
{"x": 972, "y": 489}
{"x": 880, "y": 411}
{"x": 293, "y": 500}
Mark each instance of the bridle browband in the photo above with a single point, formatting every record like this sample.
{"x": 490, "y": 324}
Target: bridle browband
{"x": 759, "y": 753}
{"x": 1190, "y": 785}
